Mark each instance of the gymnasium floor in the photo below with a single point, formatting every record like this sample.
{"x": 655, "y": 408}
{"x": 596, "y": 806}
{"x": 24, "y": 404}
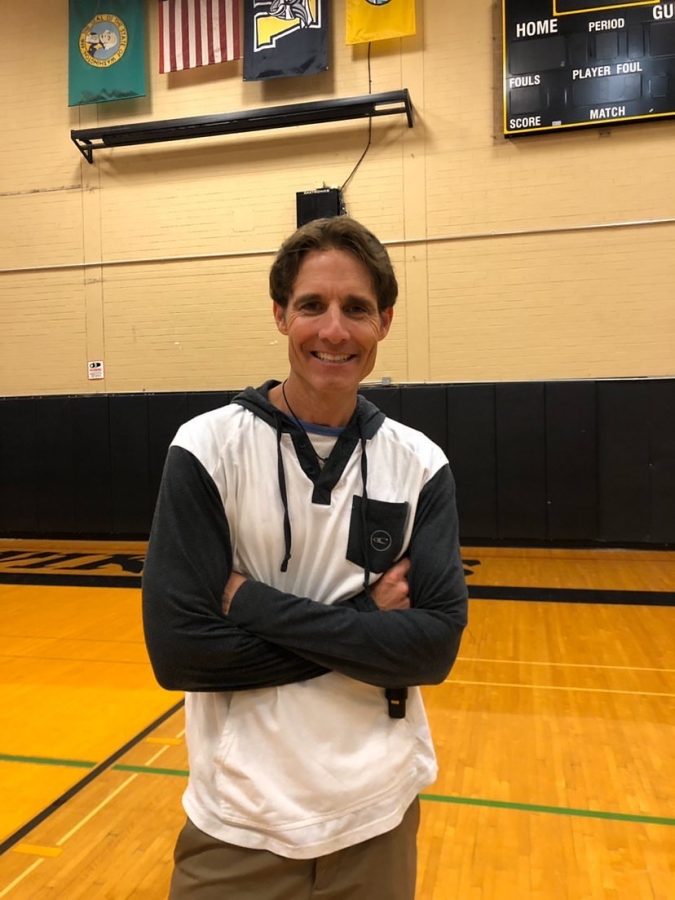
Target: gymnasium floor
{"x": 555, "y": 732}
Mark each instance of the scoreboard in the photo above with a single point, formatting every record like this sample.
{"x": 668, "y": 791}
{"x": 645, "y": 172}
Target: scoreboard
{"x": 575, "y": 63}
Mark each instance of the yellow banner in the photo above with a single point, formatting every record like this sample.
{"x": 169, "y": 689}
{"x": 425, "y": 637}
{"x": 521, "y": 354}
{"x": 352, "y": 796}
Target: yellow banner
{"x": 378, "y": 20}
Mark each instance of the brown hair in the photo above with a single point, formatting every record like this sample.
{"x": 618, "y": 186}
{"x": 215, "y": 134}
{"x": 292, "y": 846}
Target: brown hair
{"x": 337, "y": 233}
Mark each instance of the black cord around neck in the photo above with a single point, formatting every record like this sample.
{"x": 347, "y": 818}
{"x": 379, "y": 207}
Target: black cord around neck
{"x": 321, "y": 459}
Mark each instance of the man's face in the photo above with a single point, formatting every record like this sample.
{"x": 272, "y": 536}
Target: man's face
{"x": 332, "y": 322}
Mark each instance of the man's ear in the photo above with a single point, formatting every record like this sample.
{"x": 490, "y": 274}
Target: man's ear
{"x": 280, "y": 317}
{"x": 386, "y": 315}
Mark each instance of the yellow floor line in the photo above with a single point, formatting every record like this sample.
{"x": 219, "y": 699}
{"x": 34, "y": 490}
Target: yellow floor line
{"x": 35, "y": 850}
{"x": 156, "y": 756}
{"x": 20, "y": 878}
{"x": 556, "y": 687}
{"x": 46, "y": 852}
{"x": 90, "y": 815}
{"x": 528, "y": 662}
{"x": 118, "y": 790}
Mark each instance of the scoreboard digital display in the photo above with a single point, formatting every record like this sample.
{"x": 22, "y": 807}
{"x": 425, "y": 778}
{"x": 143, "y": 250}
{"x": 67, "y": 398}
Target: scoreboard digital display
{"x": 574, "y": 63}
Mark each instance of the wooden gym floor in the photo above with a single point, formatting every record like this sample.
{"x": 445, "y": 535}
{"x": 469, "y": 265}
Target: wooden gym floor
{"x": 555, "y": 732}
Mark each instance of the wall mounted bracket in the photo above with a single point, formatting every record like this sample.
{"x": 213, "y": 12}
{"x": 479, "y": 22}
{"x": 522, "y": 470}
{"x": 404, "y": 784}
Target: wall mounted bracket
{"x": 316, "y": 112}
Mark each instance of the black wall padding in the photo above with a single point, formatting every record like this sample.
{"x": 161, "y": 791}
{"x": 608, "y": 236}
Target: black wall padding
{"x": 623, "y": 461}
{"x": 19, "y": 462}
{"x": 662, "y": 458}
{"x": 201, "y": 403}
{"x": 471, "y": 448}
{"x": 521, "y": 460}
{"x": 166, "y": 413}
{"x": 558, "y": 462}
{"x": 571, "y": 460}
{"x": 423, "y": 406}
{"x": 388, "y": 399}
{"x": 130, "y": 469}
{"x": 93, "y": 465}
{"x": 56, "y": 466}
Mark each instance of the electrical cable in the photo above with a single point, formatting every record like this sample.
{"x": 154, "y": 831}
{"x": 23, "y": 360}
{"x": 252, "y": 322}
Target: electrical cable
{"x": 370, "y": 129}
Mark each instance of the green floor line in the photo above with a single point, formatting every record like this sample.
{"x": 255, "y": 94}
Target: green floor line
{"x": 432, "y": 798}
{"x": 48, "y": 761}
{"x": 471, "y": 801}
{"x": 151, "y": 770}
{"x": 551, "y": 810}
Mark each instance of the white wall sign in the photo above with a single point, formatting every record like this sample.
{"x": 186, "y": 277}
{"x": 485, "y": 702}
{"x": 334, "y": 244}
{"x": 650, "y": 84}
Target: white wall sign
{"x": 95, "y": 369}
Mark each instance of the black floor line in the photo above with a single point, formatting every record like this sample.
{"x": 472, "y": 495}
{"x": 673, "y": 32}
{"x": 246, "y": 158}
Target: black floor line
{"x": 76, "y": 788}
{"x": 572, "y": 595}
{"x": 476, "y": 591}
{"x": 112, "y": 581}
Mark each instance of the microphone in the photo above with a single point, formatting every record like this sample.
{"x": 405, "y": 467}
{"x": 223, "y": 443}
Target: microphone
{"x": 396, "y": 698}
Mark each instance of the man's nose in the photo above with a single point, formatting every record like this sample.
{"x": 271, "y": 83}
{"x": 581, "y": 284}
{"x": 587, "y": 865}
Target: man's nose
{"x": 333, "y": 326}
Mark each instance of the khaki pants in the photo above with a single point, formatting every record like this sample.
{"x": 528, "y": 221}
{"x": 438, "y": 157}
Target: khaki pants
{"x": 382, "y": 868}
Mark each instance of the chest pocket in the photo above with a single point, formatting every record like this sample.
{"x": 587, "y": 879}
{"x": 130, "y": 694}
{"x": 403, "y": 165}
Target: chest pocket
{"x": 385, "y": 530}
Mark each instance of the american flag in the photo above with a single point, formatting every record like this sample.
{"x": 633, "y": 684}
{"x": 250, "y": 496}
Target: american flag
{"x": 197, "y": 33}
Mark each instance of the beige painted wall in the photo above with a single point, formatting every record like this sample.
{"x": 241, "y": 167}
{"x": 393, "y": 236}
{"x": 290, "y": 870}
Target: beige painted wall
{"x": 540, "y": 258}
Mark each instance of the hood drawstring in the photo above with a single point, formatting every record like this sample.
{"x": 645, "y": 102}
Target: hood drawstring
{"x": 288, "y": 535}
{"x": 284, "y": 499}
{"x": 364, "y": 517}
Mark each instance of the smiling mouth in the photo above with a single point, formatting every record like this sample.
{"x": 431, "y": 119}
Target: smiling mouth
{"x": 333, "y": 357}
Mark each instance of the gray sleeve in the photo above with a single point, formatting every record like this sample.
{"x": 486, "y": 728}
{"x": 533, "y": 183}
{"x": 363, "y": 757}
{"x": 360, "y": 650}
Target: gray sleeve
{"x": 191, "y": 644}
{"x": 388, "y": 649}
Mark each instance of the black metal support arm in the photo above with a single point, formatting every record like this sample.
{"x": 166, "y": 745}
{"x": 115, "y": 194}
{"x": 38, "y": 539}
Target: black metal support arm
{"x": 386, "y": 104}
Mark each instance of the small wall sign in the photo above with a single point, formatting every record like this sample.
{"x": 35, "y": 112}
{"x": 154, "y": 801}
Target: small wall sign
{"x": 95, "y": 369}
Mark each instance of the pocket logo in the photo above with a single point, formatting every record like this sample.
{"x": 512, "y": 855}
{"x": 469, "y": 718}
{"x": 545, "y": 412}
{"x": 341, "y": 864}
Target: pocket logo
{"x": 380, "y": 540}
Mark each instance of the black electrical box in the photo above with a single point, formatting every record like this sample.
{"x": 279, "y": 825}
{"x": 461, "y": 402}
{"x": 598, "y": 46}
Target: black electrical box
{"x": 322, "y": 203}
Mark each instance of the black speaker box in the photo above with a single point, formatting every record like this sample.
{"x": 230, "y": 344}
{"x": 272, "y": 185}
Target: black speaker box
{"x": 319, "y": 204}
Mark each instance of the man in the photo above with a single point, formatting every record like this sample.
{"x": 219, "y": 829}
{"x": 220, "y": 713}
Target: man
{"x": 303, "y": 570}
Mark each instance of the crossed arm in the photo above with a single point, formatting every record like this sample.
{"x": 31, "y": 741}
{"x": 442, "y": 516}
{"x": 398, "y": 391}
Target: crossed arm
{"x": 390, "y": 592}
{"x": 270, "y": 638}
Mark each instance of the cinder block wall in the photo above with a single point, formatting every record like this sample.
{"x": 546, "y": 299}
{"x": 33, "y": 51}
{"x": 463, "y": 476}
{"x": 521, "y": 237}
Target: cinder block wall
{"x": 538, "y": 259}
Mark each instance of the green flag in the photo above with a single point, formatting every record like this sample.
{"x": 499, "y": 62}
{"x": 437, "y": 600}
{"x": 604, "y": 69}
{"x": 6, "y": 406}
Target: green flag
{"x": 106, "y": 50}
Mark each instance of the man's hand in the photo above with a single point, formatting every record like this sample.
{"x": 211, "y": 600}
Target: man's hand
{"x": 234, "y": 582}
{"x": 391, "y": 591}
